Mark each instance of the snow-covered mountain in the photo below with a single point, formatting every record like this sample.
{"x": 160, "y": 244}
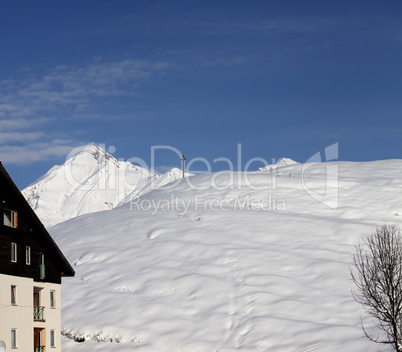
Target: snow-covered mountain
{"x": 280, "y": 163}
{"x": 91, "y": 180}
{"x": 253, "y": 262}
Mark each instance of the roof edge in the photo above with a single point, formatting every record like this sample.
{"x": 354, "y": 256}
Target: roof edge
{"x": 68, "y": 270}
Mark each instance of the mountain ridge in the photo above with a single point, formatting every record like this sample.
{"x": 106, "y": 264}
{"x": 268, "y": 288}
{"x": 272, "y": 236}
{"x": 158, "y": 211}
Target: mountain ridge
{"x": 90, "y": 180}
{"x": 254, "y": 264}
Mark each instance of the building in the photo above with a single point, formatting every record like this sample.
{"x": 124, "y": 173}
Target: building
{"x": 31, "y": 268}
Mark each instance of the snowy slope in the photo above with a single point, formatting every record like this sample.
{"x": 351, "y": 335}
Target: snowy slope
{"x": 90, "y": 181}
{"x": 233, "y": 267}
{"x": 281, "y": 163}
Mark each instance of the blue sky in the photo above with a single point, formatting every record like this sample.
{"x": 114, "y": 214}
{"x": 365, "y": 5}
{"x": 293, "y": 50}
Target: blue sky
{"x": 283, "y": 78}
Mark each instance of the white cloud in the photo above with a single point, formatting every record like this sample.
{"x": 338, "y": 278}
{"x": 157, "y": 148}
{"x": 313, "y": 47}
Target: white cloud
{"x": 7, "y": 137}
{"x": 21, "y": 124}
{"x": 65, "y": 90}
{"x": 33, "y": 152}
{"x": 30, "y": 104}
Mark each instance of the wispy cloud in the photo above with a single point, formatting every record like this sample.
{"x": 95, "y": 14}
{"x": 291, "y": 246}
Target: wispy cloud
{"x": 73, "y": 89}
{"x": 33, "y": 152}
{"x": 22, "y": 123}
{"x": 28, "y": 105}
{"x": 6, "y": 137}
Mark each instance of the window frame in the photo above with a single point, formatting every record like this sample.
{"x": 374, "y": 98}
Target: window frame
{"x": 13, "y": 221}
{"x": 42, "y": 267}
{"x": 27, "y": 255}
{"x": 52, "y": 299}
{"x": 13, "y": 292}
{"x": 14, "y": 338}
{"x": 14, "y": 252}
{"x": 52, "y": 338}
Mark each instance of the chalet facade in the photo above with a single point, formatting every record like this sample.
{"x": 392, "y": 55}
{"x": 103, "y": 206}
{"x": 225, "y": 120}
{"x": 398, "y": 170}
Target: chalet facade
{"x": 31, "y": 268}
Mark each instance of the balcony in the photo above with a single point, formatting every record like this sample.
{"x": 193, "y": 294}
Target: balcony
{"x": 39, "y": 314}
{"x": 39, "y": 348}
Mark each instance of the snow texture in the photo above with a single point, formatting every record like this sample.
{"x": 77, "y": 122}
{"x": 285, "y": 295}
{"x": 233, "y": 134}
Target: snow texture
{"x": 193, "y": 267}
{"x": 281, "y": 163}
{"x": 90, "y": 181}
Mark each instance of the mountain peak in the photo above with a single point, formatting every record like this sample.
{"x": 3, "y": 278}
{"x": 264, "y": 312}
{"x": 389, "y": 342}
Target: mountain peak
{"x": 286, "y": 162}
{"x": 97, "y": 152}
{"x": 280, "y": 163}
{"x": 93, "y": 146}
{"x": 90, "y": 180}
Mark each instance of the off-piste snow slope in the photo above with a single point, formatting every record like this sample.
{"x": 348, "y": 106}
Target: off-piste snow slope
{"x": 90, "y": 180}
{"x": 228, "y": 262}
{"x": 280, "y": 163}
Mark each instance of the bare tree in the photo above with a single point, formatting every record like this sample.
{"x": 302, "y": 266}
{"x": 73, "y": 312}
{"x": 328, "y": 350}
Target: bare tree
{"x": 378, "y": 280}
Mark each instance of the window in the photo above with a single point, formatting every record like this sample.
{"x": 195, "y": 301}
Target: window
{"x": 52, "y": 299}
{"x": 27, "y": 255}
{"x": 10, "y": 218}
{"x": 42, "y": 266}
{"x": 13, "y": 338}
{"x": 13, "y": 252}
{"x": 52, "y": 339}
{"x": 13, "y": 294}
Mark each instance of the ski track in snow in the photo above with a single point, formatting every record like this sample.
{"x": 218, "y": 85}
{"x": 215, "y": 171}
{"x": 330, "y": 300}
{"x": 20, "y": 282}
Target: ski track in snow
{"x": 226, "y": 280}
{"x": 241, "y": 304}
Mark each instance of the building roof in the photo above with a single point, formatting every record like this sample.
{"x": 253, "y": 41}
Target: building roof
{"x": 66, "y": 268}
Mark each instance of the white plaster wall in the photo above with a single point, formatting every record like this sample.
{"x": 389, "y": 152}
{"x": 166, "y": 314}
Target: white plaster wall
{"x": 20, "y": 316}
{"x": 52, "y": 315}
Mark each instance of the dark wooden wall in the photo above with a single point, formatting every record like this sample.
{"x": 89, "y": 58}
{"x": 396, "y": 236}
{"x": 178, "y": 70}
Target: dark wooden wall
{"x": 28, "y": 233}
{"x": 22, "y": 239}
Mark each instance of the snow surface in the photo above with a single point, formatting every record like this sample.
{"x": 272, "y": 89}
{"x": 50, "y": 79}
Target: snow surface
{"x": 92, "y": 180}
{"x": 269, "y": 271}
{"x": 280, "y": 163}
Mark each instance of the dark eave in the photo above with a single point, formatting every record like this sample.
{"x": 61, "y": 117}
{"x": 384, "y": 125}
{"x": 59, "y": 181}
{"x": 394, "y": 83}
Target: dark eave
{"x": 66, "y": 269}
